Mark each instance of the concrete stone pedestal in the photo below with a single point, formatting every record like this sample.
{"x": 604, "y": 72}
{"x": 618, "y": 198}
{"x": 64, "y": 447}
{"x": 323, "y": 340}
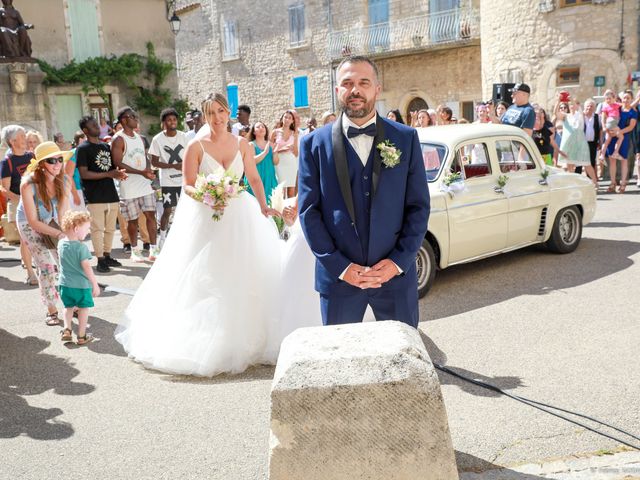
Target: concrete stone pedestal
{"x": 358, "y": 401}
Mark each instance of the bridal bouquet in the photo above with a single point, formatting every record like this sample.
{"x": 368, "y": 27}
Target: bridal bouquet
{"x": 216, "y": 189}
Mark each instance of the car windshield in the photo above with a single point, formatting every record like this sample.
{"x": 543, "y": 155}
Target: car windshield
{"x": 433, "y": 156}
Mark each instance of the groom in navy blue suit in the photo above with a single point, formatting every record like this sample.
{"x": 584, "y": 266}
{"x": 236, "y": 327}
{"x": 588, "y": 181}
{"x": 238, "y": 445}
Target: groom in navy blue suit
{"x": 363, "y": 214}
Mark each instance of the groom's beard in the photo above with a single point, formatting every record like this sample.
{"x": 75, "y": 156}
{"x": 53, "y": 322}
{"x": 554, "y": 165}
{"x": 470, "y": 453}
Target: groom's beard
{"x": 361, "y": 112}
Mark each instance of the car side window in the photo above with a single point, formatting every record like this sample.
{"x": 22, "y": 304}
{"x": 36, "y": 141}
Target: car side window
{"x": 474, "y": 158}
{"x": 514, "y": 156}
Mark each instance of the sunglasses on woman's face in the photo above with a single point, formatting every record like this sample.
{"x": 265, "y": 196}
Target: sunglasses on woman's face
{"x": 54, "y": 160}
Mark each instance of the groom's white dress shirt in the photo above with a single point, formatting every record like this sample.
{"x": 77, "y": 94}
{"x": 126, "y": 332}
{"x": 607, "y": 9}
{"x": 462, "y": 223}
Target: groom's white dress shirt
{"x": 362, "y": 143}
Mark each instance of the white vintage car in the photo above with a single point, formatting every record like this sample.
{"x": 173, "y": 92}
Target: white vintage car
{"x": 490, "y": 194}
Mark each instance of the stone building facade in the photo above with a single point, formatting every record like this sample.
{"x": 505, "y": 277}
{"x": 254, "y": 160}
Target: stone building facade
{"x": 417, "y": 63}
{"x": 430, "y": 52}
{"x": 67, "y": 30}
{"x": 558, "y": 45}
{"x": 259, "y": 61}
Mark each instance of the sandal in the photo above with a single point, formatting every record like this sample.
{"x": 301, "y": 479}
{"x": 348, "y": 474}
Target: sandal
{"x": 622, "y": 188}
{"x": 32, "y": 281}
{"x": 612, "y": 188}
{"x": 66, "y": 335}
{"x": 84, "y": 340}
{"x": 52, "y": 319}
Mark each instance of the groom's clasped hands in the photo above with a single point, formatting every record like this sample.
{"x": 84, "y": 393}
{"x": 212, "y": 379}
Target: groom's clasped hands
{"x": 371, "y": 277}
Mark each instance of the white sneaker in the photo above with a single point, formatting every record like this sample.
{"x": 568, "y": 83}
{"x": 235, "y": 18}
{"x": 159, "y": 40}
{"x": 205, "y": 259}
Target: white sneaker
{"x": 136, "y": 255}
{"x": 153, "y": 253}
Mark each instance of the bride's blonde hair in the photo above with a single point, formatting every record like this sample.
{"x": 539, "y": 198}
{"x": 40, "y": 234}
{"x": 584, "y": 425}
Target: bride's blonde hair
{"x": 207, "y": 104}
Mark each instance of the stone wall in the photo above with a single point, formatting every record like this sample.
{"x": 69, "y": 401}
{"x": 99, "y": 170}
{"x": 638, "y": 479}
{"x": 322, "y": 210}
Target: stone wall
{"x": 442, "y": 76}
{"x": 536, "y": 44}
{"x": 266, "y": 64}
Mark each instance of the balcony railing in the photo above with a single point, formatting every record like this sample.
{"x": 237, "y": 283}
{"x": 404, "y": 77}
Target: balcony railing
{"x": 414, "y": 33}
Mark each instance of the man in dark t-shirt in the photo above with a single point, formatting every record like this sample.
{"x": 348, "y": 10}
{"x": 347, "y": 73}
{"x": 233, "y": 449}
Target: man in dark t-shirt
{"x": 521, "y": 113}
{"x": 98, "y": 173}
{"x": 13, "y": 167}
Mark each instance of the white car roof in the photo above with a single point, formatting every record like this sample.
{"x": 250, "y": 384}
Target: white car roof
{"x": 455, "y": 134}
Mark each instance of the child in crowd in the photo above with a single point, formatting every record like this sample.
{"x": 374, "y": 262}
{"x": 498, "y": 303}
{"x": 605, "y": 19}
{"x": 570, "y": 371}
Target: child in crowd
{"x": 611, "y": 116}
{"x": 77, "y": 283}
{"x": 612, "y": 130}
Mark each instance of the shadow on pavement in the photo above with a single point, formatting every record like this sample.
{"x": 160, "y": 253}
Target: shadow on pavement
{"x": 137, "y": 271}
{"x": 612, "y": 225}
{"x": 474, "y": 468}
{"x": 531, "y": 271}
{"x": 252, "y": 374}
{"x": 12, "y": 285}
{"x": 27, "y": 371}
{"x": 438, "y": 356}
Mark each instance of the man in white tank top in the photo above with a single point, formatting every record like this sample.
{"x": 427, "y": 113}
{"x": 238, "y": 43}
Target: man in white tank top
{"x": 136, "y": 194}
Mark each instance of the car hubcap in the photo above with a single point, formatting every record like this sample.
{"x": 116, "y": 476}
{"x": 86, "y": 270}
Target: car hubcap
{"x": 568, "y": 227}
{"x": 423, "y": 265}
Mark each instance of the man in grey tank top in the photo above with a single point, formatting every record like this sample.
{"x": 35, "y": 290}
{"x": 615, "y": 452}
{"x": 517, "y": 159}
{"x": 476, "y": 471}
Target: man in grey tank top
{"x": 136, "y": 194}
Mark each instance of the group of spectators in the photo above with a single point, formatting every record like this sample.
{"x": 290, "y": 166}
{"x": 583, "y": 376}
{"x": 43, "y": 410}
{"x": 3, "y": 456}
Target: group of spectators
{"x": 577, "y": 137}
{"x": 117, "y": 176}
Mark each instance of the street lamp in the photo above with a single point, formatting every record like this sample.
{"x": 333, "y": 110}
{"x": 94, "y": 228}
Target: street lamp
{"x": 175, "y": 23}
{"x": 174, "y": 20}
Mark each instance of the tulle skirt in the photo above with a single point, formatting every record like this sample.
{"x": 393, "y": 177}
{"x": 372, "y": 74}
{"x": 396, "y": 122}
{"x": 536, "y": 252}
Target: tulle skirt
{"x": 209, "y": 302}
{"x": 299, "y": 303}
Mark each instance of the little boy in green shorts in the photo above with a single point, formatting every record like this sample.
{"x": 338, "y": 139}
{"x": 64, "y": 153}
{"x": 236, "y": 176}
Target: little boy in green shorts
{"x": 76, "y": 283}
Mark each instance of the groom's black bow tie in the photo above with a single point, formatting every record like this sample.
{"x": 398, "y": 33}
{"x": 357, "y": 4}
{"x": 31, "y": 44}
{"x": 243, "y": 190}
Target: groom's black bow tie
{"x": 368, "y": 130}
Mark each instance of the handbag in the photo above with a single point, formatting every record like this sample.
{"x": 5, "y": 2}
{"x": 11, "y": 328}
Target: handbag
{"x": 50, "y": 241}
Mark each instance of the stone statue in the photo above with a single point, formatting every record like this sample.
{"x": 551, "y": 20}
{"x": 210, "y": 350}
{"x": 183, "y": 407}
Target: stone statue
{"x": 14, "y": 40}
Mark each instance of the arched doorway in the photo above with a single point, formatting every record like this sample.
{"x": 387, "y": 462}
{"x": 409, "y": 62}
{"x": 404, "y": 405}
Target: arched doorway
{"x": 414, "y": 105}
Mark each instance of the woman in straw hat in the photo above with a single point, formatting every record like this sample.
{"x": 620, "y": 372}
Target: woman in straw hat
{"x": 43, "y": 202}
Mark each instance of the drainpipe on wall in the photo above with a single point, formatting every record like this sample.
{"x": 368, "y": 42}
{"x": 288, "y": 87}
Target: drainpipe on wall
{"x": 621, "y": 44}
{"x": 331, "y": 75}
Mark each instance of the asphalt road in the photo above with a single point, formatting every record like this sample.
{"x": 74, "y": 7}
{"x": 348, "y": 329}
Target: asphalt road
{"x": 559, "y": 329}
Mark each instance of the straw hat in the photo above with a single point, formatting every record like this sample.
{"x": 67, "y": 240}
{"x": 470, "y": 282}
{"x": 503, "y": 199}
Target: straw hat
{"x": 47, "y": 150}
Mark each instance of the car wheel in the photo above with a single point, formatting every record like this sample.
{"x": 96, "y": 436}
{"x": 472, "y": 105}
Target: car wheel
{"x": 567, "y": 231}
{"x": 426, "y": 267}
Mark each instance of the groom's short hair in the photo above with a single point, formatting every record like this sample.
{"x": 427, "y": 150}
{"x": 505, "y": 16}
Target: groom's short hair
{"x": 359, "y": 59}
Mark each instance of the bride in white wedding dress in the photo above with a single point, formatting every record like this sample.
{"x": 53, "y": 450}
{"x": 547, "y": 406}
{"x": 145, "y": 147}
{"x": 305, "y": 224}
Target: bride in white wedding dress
{"x": 207, "y": 304}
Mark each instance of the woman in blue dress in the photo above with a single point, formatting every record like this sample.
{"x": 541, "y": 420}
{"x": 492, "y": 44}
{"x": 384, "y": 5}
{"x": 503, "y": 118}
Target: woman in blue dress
{"x": 628, "y": 120}
{"x": 266, "y": 158}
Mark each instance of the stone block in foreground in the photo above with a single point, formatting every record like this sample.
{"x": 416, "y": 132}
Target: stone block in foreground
{"x": 359, "y": 401}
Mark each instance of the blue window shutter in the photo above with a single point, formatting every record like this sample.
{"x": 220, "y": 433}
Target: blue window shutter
{"x": 300, "y": 92}
{"x": 232, "y": 98}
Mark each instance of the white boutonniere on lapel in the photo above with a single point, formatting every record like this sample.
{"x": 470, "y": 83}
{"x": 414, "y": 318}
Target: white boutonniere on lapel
{"x": 389, "y": 153}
